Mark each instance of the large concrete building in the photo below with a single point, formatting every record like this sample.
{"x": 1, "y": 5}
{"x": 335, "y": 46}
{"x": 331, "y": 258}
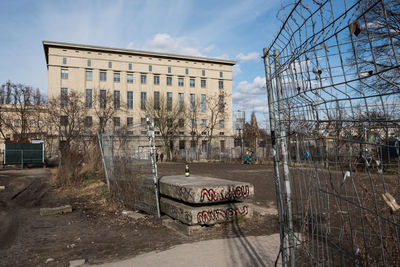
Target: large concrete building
{"x": 134, "y": 77}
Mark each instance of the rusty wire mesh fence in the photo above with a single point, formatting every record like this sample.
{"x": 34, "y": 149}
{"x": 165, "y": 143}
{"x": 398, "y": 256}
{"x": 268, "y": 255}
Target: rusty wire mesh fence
{"x": 333, "y": 87}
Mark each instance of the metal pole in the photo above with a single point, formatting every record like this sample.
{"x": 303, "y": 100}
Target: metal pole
{"x": 286, "y": 175}
{"x": 151, "y": 136}
{"x": 275, "y": 158}
{"x": 104, "y": 162}
{"x": 22, "y": 159}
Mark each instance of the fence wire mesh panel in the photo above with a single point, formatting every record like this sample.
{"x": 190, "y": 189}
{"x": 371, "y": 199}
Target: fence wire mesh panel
{"x": 333, "y": 87}
{"x": 126, "y": 165}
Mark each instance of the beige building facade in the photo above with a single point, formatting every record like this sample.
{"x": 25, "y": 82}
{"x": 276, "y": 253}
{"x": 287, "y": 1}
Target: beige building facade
{"x": 135, "y": 77}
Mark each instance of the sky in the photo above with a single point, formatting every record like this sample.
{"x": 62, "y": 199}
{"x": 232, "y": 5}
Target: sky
{"x": 230, "y": 29}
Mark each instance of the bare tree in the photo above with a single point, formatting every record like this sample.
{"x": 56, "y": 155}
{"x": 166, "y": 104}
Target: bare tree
{"x": 106, "y": 105}
{"x": 166, "y": 117}
{"x": 22, "y": 106}
{"x": 216, "y": 111}
{"x": 67, "y": 116}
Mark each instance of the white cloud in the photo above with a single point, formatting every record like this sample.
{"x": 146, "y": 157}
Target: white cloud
{"x": 256, "y": 87}
{"x": 250, "y": 56}
{"x": 236, "y": 70}
{"x": 251, "y": 96}
{"x": 163, "y": 42}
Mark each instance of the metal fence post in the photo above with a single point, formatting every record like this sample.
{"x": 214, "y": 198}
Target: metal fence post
{"x": 104, "y": 162}
{"x": 275, "y": 158}
{"x": 285, "y": 164}
{"x": 150, "y": 134}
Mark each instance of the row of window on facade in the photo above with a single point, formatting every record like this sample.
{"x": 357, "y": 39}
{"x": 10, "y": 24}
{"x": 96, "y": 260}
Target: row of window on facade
{"x": 182, "y": 144}
{"x": 129, "y": 123}
{"x": 17, "y": 123}
{"x": 143, "y": 100}
{"x": 130, "y": 67}
{"x": 143, "y": 79}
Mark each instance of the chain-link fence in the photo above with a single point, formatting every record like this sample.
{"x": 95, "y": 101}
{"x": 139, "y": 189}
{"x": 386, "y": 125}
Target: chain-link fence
{"x": 125, "y": 166}
{"x": 333, "y": 87}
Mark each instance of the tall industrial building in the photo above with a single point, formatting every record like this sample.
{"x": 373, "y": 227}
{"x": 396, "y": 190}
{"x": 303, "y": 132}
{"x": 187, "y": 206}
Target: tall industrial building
{"x": 135, "y": 77}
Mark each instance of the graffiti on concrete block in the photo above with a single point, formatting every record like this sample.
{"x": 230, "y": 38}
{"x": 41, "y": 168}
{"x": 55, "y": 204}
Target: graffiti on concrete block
{"x": 232, "y": 193}
{"x": 220, "y": 214}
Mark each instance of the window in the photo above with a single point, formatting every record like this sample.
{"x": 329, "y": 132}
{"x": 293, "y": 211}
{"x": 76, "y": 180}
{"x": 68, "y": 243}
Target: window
{"x": 110, "y": 64}
{"x": 192, "y": 84}
{"x": 129, "y": 121}
{"x": 181, "y": 123}
{"x": 64, "y": 74}
{"x": 204, "y": 145}
{"x": 129, "y": 97}
{"x": 16, "y": 123}
{"x": 192, "y": 143}
{"x": 203, "y": 73}
{"x": 221, "y": 84}
{"x": 192, "y": 123}
{"x": 64, "y": 96}
{"x": 156, "y": 100}
{"x": 180, "y": 81}
{"x": 220, "y": 74}
{"x": 143, "y": 79}
{"x": 221, "y": 103}
{"x": 143, "y": 121}
{"x": 143, "y": 132}
{"x": 181, "y": 101}
{"x": 203, "y": 83}
{"x": 130, "y": 66}
{"x": 63, "y": 120}
{"x": 32, "y": 123}
{"x": 89, "y": 75}
{"x": 156, "y": 79}
{"x": 102, "y": 122}
{"x": 117, "y": 101}
{"x": 203, "y": 123}
{"x": 156, "y": 122}
{"x": 117, "y": 77}
{"x": 8, "y": 122}
{"x": 103, "y": 98}
{"x": 221, "y": 124}
{"x": 88, "y": 121}
{"x": 169, "y": 123}
{"x": 40, "y": 123}
{"x": 169, "y": 101}
{"x": 88, "y": 98}
{"x": 89, "y": 63}
{"x": 129, "y": 78}
{"x": 103, "y": 76}
{"x": 169, "y": 80}
{"x": 181, "y": 133}
{"x": 169, "y": 69}
{"x": 186, "y": 71}
{"x": 64, "y": 60}
{"x": 143, "y": 97}
{"x": 221, "y": 133}
{"x": 203, "y": 103}
{"x": 192, "y": 102}
{"x": 150, "y": 68}
{"x": 222, "y": 145}
{"x": 117, "y": 121}
{"x": 181, "y": 144}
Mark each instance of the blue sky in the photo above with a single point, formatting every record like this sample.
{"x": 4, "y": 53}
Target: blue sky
{"x": 231, "y": 29}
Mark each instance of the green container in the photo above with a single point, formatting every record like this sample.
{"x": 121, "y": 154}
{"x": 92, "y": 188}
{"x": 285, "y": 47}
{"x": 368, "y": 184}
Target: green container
{"x": 23, "y": 154}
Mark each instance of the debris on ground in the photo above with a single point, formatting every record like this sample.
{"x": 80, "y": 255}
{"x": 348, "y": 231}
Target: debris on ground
{"x": 56, "y": 210}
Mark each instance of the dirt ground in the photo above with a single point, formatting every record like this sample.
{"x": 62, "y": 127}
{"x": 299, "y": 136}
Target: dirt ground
{"x": 97, "y": 230}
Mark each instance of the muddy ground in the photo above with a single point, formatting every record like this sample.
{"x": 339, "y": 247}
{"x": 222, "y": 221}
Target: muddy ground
{"x": 96, "y": 230}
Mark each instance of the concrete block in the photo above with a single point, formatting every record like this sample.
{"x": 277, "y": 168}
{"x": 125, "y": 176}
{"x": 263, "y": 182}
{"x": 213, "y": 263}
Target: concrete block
{"x": 205, "y": 215}
{"x": 180, "y": 227}
{"x": 263, "y": 211}
{"x": 199, "y": 190}
{"x": 57, "y": 210}
{"x": 75, "y": 263}
{"x": 2, "y": 187}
